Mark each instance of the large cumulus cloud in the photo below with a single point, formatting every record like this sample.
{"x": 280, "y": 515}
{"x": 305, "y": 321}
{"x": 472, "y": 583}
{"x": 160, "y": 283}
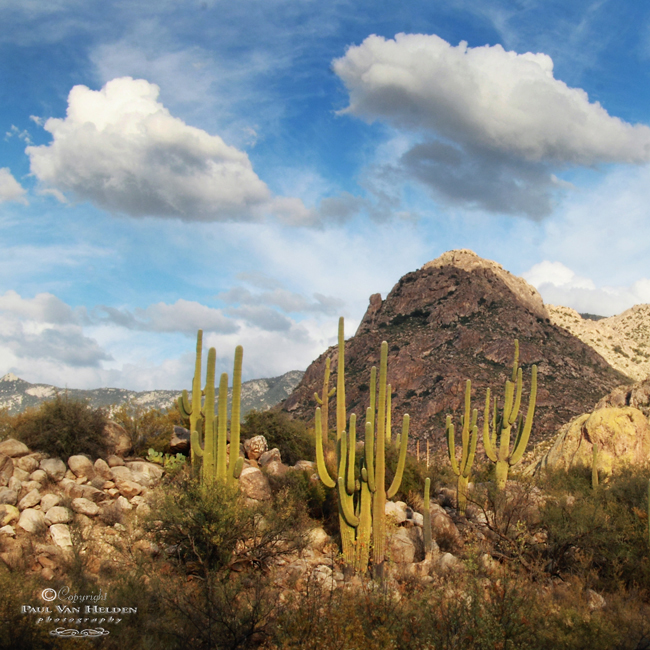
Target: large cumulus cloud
{"x": 491, "y": 124}
{"x": 121, "y": 149}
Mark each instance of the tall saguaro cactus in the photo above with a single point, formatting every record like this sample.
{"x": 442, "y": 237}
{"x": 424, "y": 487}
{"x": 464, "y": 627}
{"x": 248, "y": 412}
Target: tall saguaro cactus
{"x": 192, "y": 410}
{"x": 216, "y": 464}
{"x": 502, "y": 422}
{"x": 463, "y": 469}
{"x": 361, "y": 483}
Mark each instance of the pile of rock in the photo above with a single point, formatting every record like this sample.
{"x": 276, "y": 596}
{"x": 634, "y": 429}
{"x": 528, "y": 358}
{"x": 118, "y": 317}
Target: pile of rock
{"x": 41, "y": 497}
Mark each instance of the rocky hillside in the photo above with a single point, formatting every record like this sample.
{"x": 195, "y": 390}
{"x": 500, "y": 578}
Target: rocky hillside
{"x": 456, "y": 319}
{"x": 622, "y": 340}
{"x": 17, "y": 394}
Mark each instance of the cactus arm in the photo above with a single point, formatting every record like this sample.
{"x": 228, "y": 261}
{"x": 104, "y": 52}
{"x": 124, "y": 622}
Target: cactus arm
{"x": 487, "y": 438}
{"x": 323, "y": 474}
{"x": 351, "y": 451}
{"x": 525, "y": 435}
{"x": 209, "y": 456}
{"x": 399, "y": 472}
{"x": 365, "y": 526}
{"x": 388, "y": 414}
{"x": 451, "y": 446}
{"x": 428, "y": 543}
{"x": 515, "y": 365}
{"x": 341, "y": 411}
{"x": 465, "y": 423}
{"x": 507, "y": 405}
{"x": 222, "y": 427}
{"x": 195, "y": 437}
{"x": 184, "y": 405}
{"x": 472, "y": 452}
{"x": 370, "y": 454}
{"x": 350, "y": 518}
{"x": 319, "y": 401}
{"x": 235, "y": 413}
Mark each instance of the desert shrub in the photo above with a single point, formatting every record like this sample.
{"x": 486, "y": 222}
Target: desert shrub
{"x": 147, "y": 428}
{"x": 63, "y": 427}
{"x": 601, "y": 535}
{"x": 291, "y": 437}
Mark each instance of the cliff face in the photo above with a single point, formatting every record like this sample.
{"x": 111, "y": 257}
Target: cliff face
{"x": 455, "y": 319}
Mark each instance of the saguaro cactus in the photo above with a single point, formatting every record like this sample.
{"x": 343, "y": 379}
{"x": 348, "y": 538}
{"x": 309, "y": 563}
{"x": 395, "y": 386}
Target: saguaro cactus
{"x": 324, "y": 400}
{"x": 428, "y": 543}
{"x": 191, "y": 411}
{"x": 462, "y": 470}
{"x": 502, "y": 422}
{"x": 216, "y": 464}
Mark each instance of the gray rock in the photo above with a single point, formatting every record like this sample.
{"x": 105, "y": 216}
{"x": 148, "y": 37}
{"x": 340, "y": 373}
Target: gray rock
{"x": 180, "y": 441}
{"x": 254, "y": 484}
{"x": 401, "y": 547}
{"x": 594, "y": 600}
{"x": 396, "y": 510}
{"x": 81, "y": 466}
{"x": 418, "y": 519}
{"x": 8, "y": 530}
{"x": 114, "y": 461}
{"x": 8, "y": 496}
{"x": 31, "y": 499}
{"x": 38, "y": 475}
{"x": 61, "y": 535}
{"x": 123, "y": 504}
{"x": 85, "y": 507}
{"x": 318, "y": 538}
{"x": 14, "y": 484}
{"x": 276, "y": 468}
{"x": 121, "y": 473}
{"x": 58, "y": 515}
{"x": 6, "y": 469}
{"x": 255, "y": 447}
{"x": 102, "y": 469}
{"x": 32, "y": 521}
{"x": 21, "y": 474}
{"x": 54, "y": 467}
{"x": 448, "y": 562}
{"x": 49, "y": 501}
{"x": 128, "y": 489}
{"x": 119, "y": 441}
{"x": 145, "y": 473}
{"x": 304, "y": 465}
{"x": 443, "y": 529}
{"x": 13, "y": 448}
{"x": 31, "y": 485}
{"x": 27, "y": 463}
{"x": 268, "y": 456}
{"x": 8, "y": 513}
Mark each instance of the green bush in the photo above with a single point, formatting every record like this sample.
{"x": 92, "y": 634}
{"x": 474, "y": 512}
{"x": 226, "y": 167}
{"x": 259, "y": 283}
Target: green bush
{"x": 291, "y": 437}
{"x": 63, "y": 427}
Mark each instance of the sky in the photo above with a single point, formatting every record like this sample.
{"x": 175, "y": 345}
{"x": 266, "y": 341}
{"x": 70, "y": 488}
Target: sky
{"x": 258, "y": 169}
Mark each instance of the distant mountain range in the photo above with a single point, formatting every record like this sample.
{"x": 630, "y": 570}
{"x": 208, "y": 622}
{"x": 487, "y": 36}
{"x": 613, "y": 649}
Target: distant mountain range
{"x": 16, "y": 394}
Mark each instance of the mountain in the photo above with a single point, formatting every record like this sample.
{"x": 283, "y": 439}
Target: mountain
{"x": 455, "y": 319}
{"x": 622, "y": 340}
{"x": 261, "y": 394}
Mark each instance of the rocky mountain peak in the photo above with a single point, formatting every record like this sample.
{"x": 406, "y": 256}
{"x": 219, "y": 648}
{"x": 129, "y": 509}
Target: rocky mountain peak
{"x": 455, "y": 319}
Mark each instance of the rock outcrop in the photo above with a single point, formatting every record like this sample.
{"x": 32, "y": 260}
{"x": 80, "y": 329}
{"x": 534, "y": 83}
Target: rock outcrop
{"x": 456, "y": 319}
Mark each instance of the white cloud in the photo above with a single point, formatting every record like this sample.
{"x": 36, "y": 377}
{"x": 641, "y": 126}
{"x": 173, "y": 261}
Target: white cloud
{"x": 10, "y": 188}
{"x": 486, "y": 128}
{"x": 43, "y": 308}
{"x": 486, "y": 97}
{"x": 122, "y": 150}
{"x": 559, "y": 285}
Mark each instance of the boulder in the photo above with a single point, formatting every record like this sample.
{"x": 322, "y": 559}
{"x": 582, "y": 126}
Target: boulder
{"x": 622, "y": 434}
{"x": 6, "y": 469}
{"x": 38, "y": 475}
{"x": 27, "y": 463}
{"x": 32, "y": 521}
{"x": 145, "y": 473}
{"x": 123, "y": 504}
{"x": 85, "y": 506}
{"x": 102, "y": 469}
{"x": 13, "y": 448}
{"x": 268, "y": 456}
{"x": 304, "y": 465}
{"x": 276, "y": 468}
{"x": 81, "y": 466}
{"x": 318, "y": 538}
{"x": 128, "y": 489}
{"x": 448, "y": 562}
{"x": 21, "y": 474}
{"x": 254, "y": 484}
{"x": 443, "y": 529}
{"x": 8, "y": 496}
{"x": 254, "y": 447}
{"x": 180, "y": 441}
{"x": 8, "y": 513}
{"x": 403, "y": 547}
{"x": 55, "y": 468}
{"x": 114, "y": 461}
{"x": 121, "y": 473}
{"x": 8, "y": 530}
{"x": 49, "y": 501}
{"x": 31, "y": 499}
{"x": 118, "y": 440}
{"x": 396, "y": 510}
{"x": 58, "y": 515}
{"x": 61, "y": 535}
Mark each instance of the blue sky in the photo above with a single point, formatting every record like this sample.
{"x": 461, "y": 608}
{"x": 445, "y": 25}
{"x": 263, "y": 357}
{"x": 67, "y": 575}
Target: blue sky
{"x": 258, "y": 169}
